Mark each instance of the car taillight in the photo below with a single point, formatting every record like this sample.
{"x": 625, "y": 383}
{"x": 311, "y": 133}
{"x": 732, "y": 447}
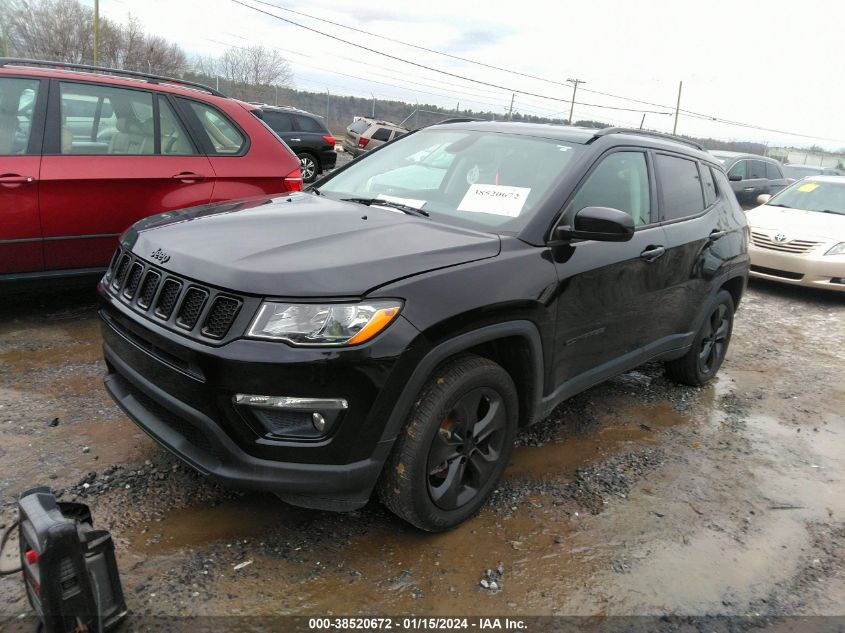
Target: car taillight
{"x": 362, "y": 142}
{"x": 330, "y": 140}
{"x": 293, "y": 181}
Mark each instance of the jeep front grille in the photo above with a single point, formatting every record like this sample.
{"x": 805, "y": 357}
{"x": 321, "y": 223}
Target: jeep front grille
{"x": 761, "y": 240}
{"x": 194, "y": 309}
{"x": 192, "y": 304}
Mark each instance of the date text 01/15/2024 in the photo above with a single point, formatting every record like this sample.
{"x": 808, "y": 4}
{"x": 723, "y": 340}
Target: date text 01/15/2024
{"x": 415, "y": 624}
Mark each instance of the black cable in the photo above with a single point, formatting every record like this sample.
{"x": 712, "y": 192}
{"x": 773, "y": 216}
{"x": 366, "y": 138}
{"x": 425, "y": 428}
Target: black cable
{"x": 6, "y": 534}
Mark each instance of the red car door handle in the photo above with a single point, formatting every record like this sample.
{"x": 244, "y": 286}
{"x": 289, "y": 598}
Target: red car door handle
{"x": 188, "y": 176}
{"x": 14, "y": 180}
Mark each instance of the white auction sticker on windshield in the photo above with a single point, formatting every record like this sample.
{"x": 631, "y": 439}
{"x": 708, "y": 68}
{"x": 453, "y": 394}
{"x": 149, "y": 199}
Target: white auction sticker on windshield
{"x": 409, "y": 202}
{"x": 495, "y": 199}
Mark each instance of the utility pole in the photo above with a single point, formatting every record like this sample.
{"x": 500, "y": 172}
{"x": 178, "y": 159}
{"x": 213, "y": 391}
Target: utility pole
{"x": 328, "y": 96}
{"x": 276, "y": 99}
{"x": 642, "y": 121}
{"x": 96, "y": 32}
{"x": 458, "y": 108}
{"x": 677, "y": 108}
{"x": 374, "y": 105}
{"x": 574, "y": 83}
{"x": 510, "y": 110}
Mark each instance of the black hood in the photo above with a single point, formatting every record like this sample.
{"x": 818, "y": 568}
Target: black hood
{"x": 302, "y": 245}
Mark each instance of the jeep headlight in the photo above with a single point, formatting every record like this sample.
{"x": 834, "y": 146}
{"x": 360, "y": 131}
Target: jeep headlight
{"x": 323, "y": 323}
{"x": 839, "y": 249}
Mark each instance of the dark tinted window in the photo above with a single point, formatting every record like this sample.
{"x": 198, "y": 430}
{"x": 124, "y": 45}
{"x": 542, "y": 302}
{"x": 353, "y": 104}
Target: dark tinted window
{"x": 740, "y": 169}
{"x": 773, "y": 172}
{"x": 279, "y": 122}
{"x": 620, "y": 181}
{"x": 308, "y": 124}
{"x": 709, "y": 185}
{"x": 381, "y": 134}
{"x": 681, "y": 187}
{"x": 756, "y": 169}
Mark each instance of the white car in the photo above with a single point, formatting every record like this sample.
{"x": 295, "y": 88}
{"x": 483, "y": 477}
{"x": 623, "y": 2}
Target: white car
{"x": 798, "y": 235}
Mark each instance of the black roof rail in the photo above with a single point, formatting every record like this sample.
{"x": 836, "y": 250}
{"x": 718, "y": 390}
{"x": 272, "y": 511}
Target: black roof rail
{"x": 464, "y": 119}
{"x": 632, "y": 130}
{"x": 153, "y": 79}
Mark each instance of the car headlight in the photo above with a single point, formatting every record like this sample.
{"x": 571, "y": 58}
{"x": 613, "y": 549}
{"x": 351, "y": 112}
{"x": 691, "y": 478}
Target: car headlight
{"x": 323, "y": 323}
{"x": 839, "y": 249}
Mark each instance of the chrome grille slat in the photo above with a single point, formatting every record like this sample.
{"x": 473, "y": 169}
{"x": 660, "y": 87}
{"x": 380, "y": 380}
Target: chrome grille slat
{"x": 796, "y": 247}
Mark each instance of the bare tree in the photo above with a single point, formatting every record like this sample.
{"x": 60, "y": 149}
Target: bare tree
{"x": 250, "y": 70}
{"x": 63, "y": 30}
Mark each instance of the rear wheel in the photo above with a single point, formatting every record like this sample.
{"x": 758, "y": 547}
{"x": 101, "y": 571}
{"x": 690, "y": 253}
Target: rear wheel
{"x": 309, "y": 167}
{"x": 455, "y": 445}
{"x": 704, "y": 358}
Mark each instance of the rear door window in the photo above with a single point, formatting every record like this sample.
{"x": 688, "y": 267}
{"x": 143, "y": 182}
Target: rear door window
{"x": 174, "y": 139}
{"x": 773, "y": 172}
{"x": 17, "y": 105}
{"x": 680, "y": 186}
{"x": 100, "y": 119}
{"x": 279, "y": 122}
{"x": 756, "y": 169}
{"x": 381, "y": 134}
{"x": 307, "y": 124}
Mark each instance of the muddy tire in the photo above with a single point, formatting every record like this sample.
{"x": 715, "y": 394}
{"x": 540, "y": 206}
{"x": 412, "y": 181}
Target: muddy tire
{"x": 456, "y": 443}
{"x": 703, "y": 360}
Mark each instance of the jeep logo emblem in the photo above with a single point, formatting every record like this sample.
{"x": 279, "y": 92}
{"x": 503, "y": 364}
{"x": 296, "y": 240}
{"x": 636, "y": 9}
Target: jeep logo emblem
{"x": 160, "y": 256}
{"x": 780, "y": 237}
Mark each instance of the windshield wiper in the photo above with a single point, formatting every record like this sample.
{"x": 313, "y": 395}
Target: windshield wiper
{"x": 404, "y": 208}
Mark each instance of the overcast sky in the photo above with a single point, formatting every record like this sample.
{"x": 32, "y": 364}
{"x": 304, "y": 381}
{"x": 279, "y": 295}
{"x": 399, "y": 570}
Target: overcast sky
{"x": 775, "y": 64}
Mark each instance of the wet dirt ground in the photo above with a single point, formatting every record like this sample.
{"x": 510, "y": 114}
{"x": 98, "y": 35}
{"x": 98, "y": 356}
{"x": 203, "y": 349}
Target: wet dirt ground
{"x": 638, "y": 496}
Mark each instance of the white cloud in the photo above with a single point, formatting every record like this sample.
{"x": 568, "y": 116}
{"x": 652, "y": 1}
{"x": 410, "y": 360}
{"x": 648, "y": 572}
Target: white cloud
{"x": 774, "y": 65}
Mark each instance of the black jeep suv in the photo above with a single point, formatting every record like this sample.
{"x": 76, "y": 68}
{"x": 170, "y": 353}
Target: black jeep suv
{"x": 394, "y": 327}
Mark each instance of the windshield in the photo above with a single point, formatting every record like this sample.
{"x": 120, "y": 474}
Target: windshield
{"x": 811, "y": 195}
{"x": 480, "y": 180}
{"x": 800, "y": 171}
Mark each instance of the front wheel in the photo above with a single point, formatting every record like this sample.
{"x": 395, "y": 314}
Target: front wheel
{"x": 309, "y": 167}
{"x": 704, "y": 358}
{"x": 456, "y": 443}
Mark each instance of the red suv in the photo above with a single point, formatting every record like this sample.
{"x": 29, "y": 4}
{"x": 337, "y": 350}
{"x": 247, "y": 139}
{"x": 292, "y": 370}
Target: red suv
{"x": 84, "y": 154}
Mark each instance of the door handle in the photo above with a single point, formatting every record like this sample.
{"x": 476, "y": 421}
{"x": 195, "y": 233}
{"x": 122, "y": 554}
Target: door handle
{"x": 749, "y": 189}
{"x": 188, "y": 176}
{"x": 716, "y": 234}
{"x": 15, "y": 180}
{"x": 652, "y": 252}
{"x": 296, "y": 140}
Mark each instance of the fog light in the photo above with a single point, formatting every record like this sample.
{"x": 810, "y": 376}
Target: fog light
{"x": 318, "y": 421}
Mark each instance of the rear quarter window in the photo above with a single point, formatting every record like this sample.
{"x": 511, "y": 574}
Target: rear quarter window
{"x": 223, "y": 137}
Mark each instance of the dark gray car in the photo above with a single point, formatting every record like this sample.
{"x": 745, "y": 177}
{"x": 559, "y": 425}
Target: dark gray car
{"x": 752, "y": 175}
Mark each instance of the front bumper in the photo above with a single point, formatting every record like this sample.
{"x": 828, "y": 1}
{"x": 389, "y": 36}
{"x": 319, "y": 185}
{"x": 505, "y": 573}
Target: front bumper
{"x": 192, "y": 413}
{"x": 806, "y": 269}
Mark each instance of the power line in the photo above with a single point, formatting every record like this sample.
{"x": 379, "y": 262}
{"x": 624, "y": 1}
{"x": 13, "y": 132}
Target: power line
{"x": 684, "y": 112}
{"x": 437, "y": 70}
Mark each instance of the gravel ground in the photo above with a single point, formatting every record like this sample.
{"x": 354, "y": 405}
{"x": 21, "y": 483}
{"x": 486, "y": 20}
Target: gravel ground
{"x": 636, "y": 497}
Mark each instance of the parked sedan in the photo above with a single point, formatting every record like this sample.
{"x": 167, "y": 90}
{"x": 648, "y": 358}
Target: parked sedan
{"x": 797, "y": 172}
{"x": 798, "y": 236}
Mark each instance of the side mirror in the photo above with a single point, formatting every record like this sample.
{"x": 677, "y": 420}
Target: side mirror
{"x": 734, "y": 177}
{"x": 763, "y": 198}
{"x": 602, "y": 224}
